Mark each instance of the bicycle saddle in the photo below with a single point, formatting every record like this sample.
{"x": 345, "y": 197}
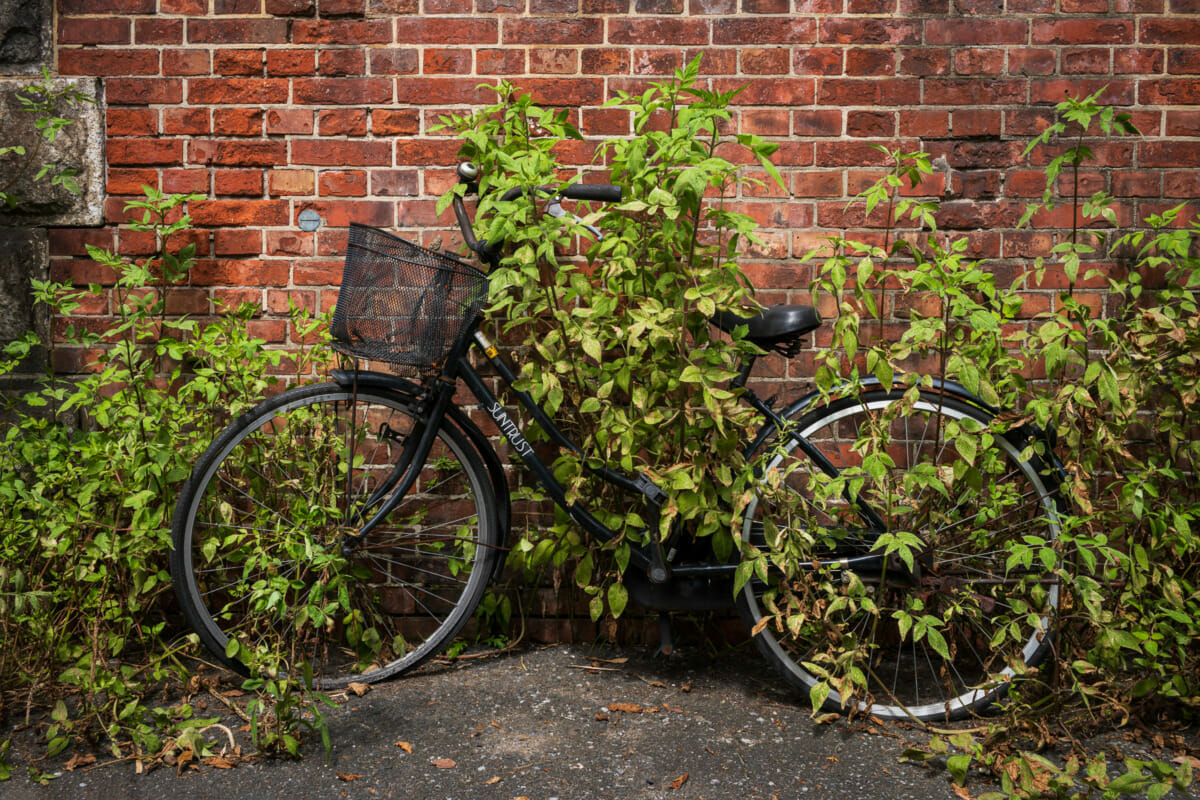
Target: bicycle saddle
{"x": 775, "y": 328}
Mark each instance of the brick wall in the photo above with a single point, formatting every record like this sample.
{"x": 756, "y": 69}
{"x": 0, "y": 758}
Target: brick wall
{"x": 270, "y": 107}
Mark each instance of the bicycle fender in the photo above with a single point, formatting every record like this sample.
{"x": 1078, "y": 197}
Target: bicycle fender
{"x": 402, "y": 386}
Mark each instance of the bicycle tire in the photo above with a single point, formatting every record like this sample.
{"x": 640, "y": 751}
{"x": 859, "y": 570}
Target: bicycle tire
{"x": 961, "y": 573}
{"x": 259, "y": 528}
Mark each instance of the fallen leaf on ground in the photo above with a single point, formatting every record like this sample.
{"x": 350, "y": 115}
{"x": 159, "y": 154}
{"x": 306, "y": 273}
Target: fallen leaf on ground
{"x": 601, "y": 716}
{"x": 609, "y": 660}
{"x": 220, "y": 762}
{"x": 687, "y": 687}
{"x": 492, "y": 780}
{"x": 405, "y": 746}
{"x": 1195, "y": 762}
{"x": 632, "y": 708}
{"x": 348, "y": 776}
{"x": 79, "y": 760}
{"x": 359, "y": 689}
{"x": 680, "y": 781}
{"x": 962, "y": 792}
{"x": 443, "y": 763}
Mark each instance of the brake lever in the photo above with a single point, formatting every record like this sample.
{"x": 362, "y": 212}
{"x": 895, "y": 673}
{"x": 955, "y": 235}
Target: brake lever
{"x": 554, "y": 208}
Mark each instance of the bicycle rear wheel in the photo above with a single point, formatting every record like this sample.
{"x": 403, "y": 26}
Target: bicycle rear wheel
{"x": 939, "y": 639}
{"x": 259, "y": 562}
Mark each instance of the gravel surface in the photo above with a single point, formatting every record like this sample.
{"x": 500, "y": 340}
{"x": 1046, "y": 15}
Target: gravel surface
{"x": 567, "y": 722}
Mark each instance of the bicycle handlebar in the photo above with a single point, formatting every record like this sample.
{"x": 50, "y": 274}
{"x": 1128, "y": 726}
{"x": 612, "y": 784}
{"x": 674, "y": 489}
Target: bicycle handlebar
{"x": 468, "y": 174}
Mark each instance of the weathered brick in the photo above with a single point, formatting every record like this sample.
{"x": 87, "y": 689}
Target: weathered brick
{"x": 237, "y": 183}
{"x": 506, "y": 61}
{"x": 282, "y": 121}
{"x": 72, "y": 61}
{"x": 291, "y": 62}
{"x": 979, "y": 61}
{"x": 238, "y": 121}
{"x": 741, "y": 31}
{"x": 1172, "y": 91}
{"x": 401, "y": 122}
{"x": 553, "y": 61}
{"x": 771, "y": 92}
{"x": 238, "y": 31}
{"x": 342, "y": 183}
{"x": 186, "y": 62}
{"x": 645, "y": 61}
{"x": 953, "y": 91}
{"x": 128, "y": 182}
{"x": 1170, "y": 31}
{"x": 237, "y": 242}
{"x": 218, "y": 213}
{"x": 450, "y": 31}
{"x": 395, "y": 182}
{"x": 605, "y": 61}
{"x": 560, "y": 31}
{"x": 871, "y": 124}
{"x": 75, "y": 7}
{"x": 395, "y": 61}
{"x": 657, "y": 30}
{"x": 158, "y": 31}
{"x": 237, "y": 6}
{"x": 136, "y": 152}
{"x": 349, "y": 32}
{"x": 185, "y": 181}
{"x": 103, "y": 30}
{"x": 823, "y": 122}
{"x": 291, "y": 8}
{"x": 442, "y": 91}
{"x": 239, "y": 62}
{"x": 447, "y": 61}
{"x": 340, "y": 153}
{"x": 289, "y": 182}
{"x": 870, "y": 30}
{"x": 236, "y": 152}
{"x": 342, "y": 122}
{"x": 221, "y": 91}
{"x": 1083, "y": 31}
{"x": 131, "y": 122}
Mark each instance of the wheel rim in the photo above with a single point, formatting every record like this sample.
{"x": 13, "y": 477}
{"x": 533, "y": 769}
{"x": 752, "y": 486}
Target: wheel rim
{"x": 262, "y": 547}
{"x": 962, "y": 567}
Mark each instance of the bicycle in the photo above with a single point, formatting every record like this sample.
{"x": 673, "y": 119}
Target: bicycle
{"x": 360, "y": 520}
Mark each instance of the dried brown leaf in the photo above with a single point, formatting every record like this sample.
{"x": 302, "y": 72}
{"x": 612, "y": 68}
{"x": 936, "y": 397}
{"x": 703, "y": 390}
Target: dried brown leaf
{"x": 405, "y": 746}
{"x": 680, "y": 781}
{"x": 220, "y": 762}
{"x": 492, "y": 780}
{"x": 443, "y": 763}
{"x": 359, "y": 689}
{"x": 348, "y": 776}
{"x": 79, "y": 760}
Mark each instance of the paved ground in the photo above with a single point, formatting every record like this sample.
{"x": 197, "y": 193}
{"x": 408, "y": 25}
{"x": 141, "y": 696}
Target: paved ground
{"x": 547, "y": 723}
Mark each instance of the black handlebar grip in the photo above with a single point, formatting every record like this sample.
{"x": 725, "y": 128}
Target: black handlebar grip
{"x": 599, "y": 192}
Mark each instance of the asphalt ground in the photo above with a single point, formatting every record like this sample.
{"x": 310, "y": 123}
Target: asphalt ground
{"x": 571, "y": 722}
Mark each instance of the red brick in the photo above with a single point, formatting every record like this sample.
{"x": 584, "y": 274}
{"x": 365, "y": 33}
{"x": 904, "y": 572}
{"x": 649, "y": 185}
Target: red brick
{"x": 239, "y": 153}
{"x": 291, "y": 62}
{"x": 1054, "y": 91}
{"x": 185, "y": 181}
{"x": 464, "y": 6}
{"x": 1169, "y": 154}
{"x": 448, "y": 31}
{"x": 337, "y": 63}
{"x": 342, "y": 8}
{"x": 605, "y": 61}
{"x": 1086, "y": 61}
{"x": 104, "y": 30}
{"x": 219, "y": 91}
{"x": 340, "y": 213}
{"x": 871, "y": 124}
{"x": 446, "y": 61}
{"x": 395, "y": 182}
{"x": 289, "y": 243}
{"x": 646, "y": 61}
{"x": 423, "y": 152}
{"x": 237, "y": 183}
{"x": 190, "y": 7}
{"x": 138, "y": 152}
{"x": 131, "y": 122}
{"x": 770, "y": 92}
{"x": 1180, "y": 122}
{"x": 870, "y": 61}
{"x": 186, "y": 121}
{"x": 553, "y": 60}
{"x": 1173, "y": 91}
{"x": 74, "y": 7}
{"x": 870, "y": 30}
{"x": 947, "y": 91}
{"x": 977, "y": 122}
{"x": 773, "y": 61}
{"x": 395, "y": 61}
{"x": 442, "y": 91}
{"x": 186, "y": 62}
{"x": 237, "y": 242}
{"x": 1137, "y": 60}
{"x": 348, "y": 32}
{"x": 242, "y": 272}
{"x": 342, "y": 183}
{"x": 158, "y": 31}
{"x": 403, "y": 122}
{"x": 130, "y": 181}
{"x": 656, "y": 30}
{"x": 238, "y": 62}
{"x": 822, "y": 122}
{"x": 979, "y": 61}
{"x": 237, "y": 6}
{"x": 238, "y": 31}
{"x": 290, "y": 182}
{"x": 496, "y": 61}
{"x": 742, "y": 31}
{"x": 766, "y": 122}
{"x": 289, "y": 120}
{"x": 1170, "y": 31}
{"x": 559, "y": 30}
{"x": 343, "y": 91}
{"x": 1184, "y": 185}
{"x": 1031, "y": 61}
{"x": 73, "y": 61}
{"x": 826, "y": 61}
{"x": 1137, "y": 183}
{"x": 698, "y": 8}
{"x": 1083, "y": 31}
{"x": 214, "y": 213}
{"x": 238, "y": 121}
{"x": 924, "y": 122}
{"x": 291, "y": 8}
{"x": 342, "y": 122}
{"x": 341, "y": 153}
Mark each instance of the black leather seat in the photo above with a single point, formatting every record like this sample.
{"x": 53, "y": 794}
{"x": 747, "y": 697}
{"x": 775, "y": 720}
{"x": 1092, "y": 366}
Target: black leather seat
{"x": 775, "y": 328}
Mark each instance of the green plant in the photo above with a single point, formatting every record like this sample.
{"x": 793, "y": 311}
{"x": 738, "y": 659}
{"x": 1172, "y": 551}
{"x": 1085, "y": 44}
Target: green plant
{"x": 621, "y": 341}
{"x": 44, "y": 100}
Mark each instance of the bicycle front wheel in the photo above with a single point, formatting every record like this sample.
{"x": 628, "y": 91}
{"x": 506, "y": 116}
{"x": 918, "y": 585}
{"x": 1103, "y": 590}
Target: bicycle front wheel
{"x": 938, "y": 628}
{"x": 266, "y": 564}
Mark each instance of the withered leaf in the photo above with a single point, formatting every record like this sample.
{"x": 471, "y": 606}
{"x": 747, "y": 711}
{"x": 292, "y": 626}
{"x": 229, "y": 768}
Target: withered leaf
{"x": 443, "y": 763}
{"x": 220, "y": 762}
{"x": 628, "y": 708}
{"x": 492, "y": 780}
{"x": 359, "y": 689}
{"x": 79, "y": 760}
{"x": 680, "y": 781}
{"x": 348, "y": 776}
{"x": 405, "y": 746}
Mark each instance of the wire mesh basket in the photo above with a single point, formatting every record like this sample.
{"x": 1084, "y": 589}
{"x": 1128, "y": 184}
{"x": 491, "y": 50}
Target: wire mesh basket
{"x": 402, "y": 303}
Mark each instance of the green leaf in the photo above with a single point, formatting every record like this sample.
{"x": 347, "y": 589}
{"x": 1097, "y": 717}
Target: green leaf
{"x": 618, "y": 597}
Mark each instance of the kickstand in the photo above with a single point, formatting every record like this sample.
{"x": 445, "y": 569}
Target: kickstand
{"x": 666, "y": 636}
